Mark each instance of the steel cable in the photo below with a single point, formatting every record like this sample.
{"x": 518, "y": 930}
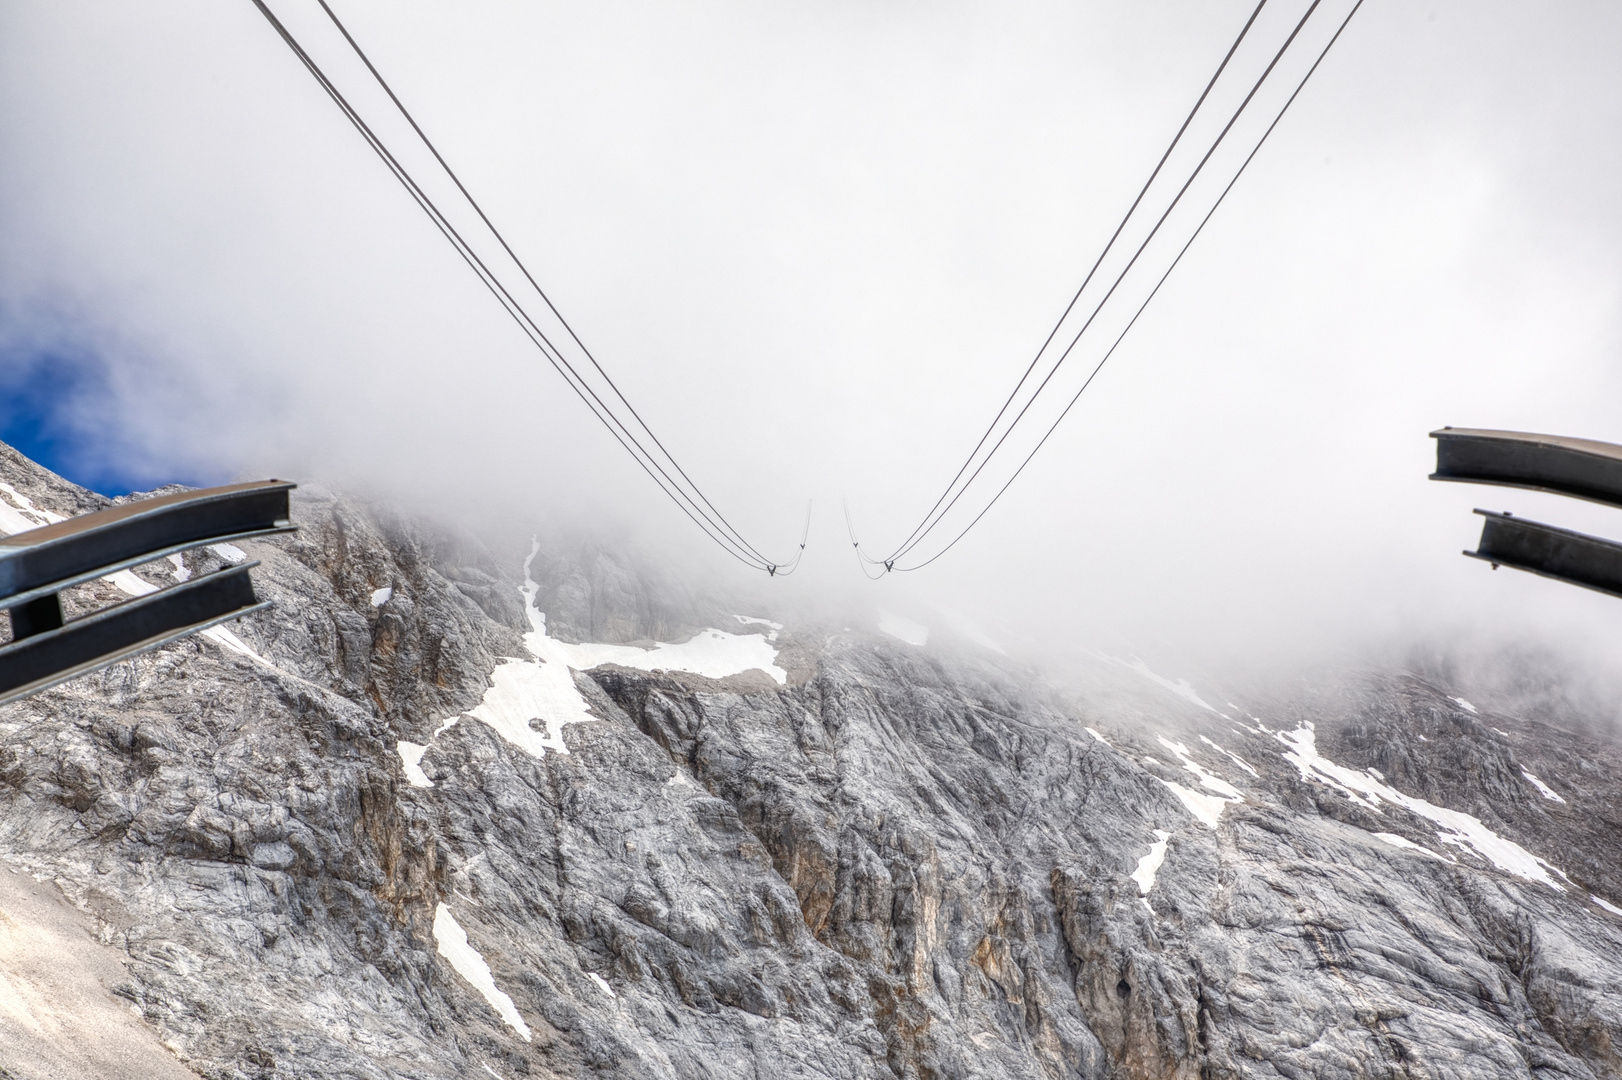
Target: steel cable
{"x": 1120, "y": 337}
{"x": 1102, "y": 255}
{"x": 928, "y": 525}
{"x": 733, "y": 544}
{"x": 1120, "y": 278}
{"x": 524, "y": 270}
{"x": 862, "y": 561}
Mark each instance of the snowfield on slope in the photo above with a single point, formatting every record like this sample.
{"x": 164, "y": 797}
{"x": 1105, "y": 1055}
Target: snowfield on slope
{"x": 1458, "y": 828}
{"x": 1367, "y": 787}
{"x": 903, "y": 629}
{"x": 542, "y": 686}
{"x": 1150, "y": 864}
{"x": 1207, "y": 808}
{"x": 465, "y": 959}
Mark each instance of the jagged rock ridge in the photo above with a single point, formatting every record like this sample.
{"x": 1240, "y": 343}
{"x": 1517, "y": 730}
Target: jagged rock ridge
{"x": 901, "y": 862}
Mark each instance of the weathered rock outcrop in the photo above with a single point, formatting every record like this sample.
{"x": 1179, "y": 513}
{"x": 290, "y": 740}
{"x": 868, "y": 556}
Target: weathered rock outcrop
{"x": 896, "y": 862}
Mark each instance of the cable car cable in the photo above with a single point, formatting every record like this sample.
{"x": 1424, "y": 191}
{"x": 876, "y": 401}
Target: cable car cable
{"x": 1102, "y": 255}
{"x": 775, "y": 570}
{"x": 603, "y": 413}
{"x": 508, "y": 303}
{"x": 524, "y": 270}
{"x": 861, "y": 560}
{"x": 1208, "y": 215}
{"x": 1121, "y": 277}
{"x": 685, "y": 502}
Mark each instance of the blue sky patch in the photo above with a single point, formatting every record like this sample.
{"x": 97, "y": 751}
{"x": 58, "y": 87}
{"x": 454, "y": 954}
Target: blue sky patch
{"x": 56, "y": 407}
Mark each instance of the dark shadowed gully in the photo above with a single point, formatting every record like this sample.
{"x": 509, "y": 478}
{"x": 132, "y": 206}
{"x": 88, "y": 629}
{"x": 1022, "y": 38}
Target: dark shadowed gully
{"x": 384, "y": 830}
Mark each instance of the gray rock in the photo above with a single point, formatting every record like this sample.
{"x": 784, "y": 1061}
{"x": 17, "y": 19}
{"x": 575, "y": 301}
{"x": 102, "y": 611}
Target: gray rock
{"x": 907, "y": 862}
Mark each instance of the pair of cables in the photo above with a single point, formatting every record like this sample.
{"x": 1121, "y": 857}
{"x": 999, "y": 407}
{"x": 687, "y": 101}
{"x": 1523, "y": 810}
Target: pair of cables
{"x": 584, "y": 374}
{"x": 974, "y": 466}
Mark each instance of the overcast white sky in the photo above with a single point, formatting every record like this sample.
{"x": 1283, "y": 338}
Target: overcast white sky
{"x": 816, "y": 243}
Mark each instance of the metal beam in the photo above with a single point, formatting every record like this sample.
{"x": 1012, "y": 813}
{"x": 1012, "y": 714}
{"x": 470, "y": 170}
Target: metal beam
{"x": 41, "y": 561}
{"x": 1582, "y": 468}
{"x": 36, "y": 616}
{"x": 1572, "y": 557}
{"x": 121, "y": 631}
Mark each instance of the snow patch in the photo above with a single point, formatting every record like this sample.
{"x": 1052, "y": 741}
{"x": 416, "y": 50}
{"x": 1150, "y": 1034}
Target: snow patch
{"x": 1150, "y": 864}
{"x": 1548, "y": 792}
{"x": 1096, "y": 735}
{"x": 18, "y": 513}
{"x": 1408, "y": 845}
{"x": 1207, "y": 779}
{"x": 1241, "y": 762}
{"x": 411, "y": 756}
{"x": 905, "y": 629}
{"x": 1205, "y": 808}
{"x": 1502, "y": 732}
{"x": 1458, "y": 828}
{"x": 522, "y": 691}
{"x": 1612, "y": 908}
{"x": 712, "y": 653}
{"x": 1181, "y": 687}
{"x": 1463, "y": 704}
{"x": 454, "y": 947}
{"x": 182, "y": 571}
{"x": 382, "y": 596}
{"x": 542, "y": 687}
{"x": 747, "y": 619}
{"x": 126, "y": 581}
{"x": 229, "y": 552}
{"x": 219, "y": 635}
{"x": 774, "y": 627}
{"x": 602, "y": 984}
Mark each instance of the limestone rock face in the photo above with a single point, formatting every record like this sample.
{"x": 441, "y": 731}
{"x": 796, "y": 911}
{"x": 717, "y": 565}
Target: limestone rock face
{"x": 355, "y": 839}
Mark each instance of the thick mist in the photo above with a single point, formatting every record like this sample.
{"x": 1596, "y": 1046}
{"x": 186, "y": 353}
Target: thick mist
{"x": 815, "y": 245}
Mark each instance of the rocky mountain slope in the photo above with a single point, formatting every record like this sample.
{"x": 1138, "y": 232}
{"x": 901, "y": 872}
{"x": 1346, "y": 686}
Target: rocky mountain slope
{"x": 453, "y": 810}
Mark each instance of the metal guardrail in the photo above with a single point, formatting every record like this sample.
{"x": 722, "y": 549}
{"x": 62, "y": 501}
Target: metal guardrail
{"x": 36, "y": 565}
{"x": 1579, "y": 468}
{"x": 53, "y": 656}
{"x": 1573, "y": 557}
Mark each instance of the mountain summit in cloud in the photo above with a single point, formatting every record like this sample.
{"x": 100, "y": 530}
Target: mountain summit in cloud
{"x": 461, "y": 807}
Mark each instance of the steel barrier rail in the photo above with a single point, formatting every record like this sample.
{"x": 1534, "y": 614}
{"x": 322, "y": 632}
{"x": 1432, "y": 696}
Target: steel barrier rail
{"x": 1581, "y": 468}
{"x": 44, "y": 659}
{"x": 52, "y": 557}
{"x": 36, "y": 565}
{"x": 1573, "y": 557}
